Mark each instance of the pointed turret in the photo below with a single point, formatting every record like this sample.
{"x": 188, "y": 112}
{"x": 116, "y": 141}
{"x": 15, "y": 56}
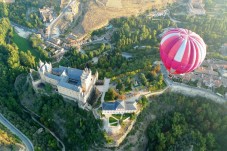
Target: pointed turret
{"x": 40, "y": 63}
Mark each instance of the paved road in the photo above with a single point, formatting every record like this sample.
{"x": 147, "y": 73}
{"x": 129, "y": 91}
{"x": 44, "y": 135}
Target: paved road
{"x": 59, "y": 17}
{"x": 193, "y": 91}
{"x": 31, "y": 113}
{"x": 188, "y": 90}
{"x": 156, "y": 92}
{"x": 14, "y": 130}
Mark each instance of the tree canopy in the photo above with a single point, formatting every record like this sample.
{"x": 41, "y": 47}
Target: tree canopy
{"x": 183, "y": 122}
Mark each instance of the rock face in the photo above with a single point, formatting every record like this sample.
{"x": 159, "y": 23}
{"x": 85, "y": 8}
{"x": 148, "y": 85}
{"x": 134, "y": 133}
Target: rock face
{"x": 99, "y": 12}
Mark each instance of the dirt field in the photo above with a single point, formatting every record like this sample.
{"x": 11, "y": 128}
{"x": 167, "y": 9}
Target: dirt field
{"x": 114, "y": 3}
{"x": 98, "y": 15}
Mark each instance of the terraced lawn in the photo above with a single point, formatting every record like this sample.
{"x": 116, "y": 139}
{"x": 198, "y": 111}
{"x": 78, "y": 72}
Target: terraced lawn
{"x": 114, "y": 124}
{"x": 118, "y": 116}
{"x": 112, "y": 120}
{"x": 126, "y": 115}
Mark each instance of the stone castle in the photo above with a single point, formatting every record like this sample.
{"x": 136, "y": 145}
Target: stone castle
{"x": 74, "y": 84}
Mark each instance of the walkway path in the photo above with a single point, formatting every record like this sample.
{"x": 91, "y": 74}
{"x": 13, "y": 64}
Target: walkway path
{"x": 157, "y": 92}
{"x": 194, "y": 91}
{"x": 188, "y": 90}
{"x": 14, "y": 130}
{"x": 52, "y": 133}
{"x": 173, "y": 20}
{"x": 104, "y": 88}
{"x": 33, "y": 114}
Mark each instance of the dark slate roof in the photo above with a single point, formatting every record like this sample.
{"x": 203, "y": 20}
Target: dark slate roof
{"x": 53, "y": 76}
{"x": 108, "y": 106}
{"x": 68, "y": 86}
{"x": 129, "y": 106}
{"x": 57, "y": 71}
{"x": 118, "y": 105}
{"x": 72, "y": 73}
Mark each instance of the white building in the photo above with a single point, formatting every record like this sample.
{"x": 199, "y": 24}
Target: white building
{"x": 71, "y": 83}
{"x": 118, "y": 107}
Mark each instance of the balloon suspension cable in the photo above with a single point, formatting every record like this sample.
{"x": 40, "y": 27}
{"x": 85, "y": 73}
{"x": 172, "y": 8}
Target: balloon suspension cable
{"x": 170, "y": 75}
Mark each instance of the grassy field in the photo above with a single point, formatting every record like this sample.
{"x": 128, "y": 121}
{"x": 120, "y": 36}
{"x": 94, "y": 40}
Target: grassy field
{"x": 114, "y": 124}
{"x": 118, "y": 116}
{"x": 126, "y": 115}
{"x": 24, "y": 45}
{"x": 111, "y": 120}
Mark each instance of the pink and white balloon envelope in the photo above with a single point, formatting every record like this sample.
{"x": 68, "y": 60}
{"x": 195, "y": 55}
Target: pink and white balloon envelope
{"x": 182, "y": 50}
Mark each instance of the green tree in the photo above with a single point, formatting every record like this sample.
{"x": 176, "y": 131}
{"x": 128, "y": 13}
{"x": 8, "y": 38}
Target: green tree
{"x": 176, "y": 126}
{"x": 27, "y": 59}
{"x": 143, "y": 79}
{"x": 111, "y": 94}
{"x": 3, "y": 10}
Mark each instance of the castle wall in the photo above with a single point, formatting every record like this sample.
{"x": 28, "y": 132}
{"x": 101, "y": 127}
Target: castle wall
{"x": 87, "y": 82}
{"x": 50, "y": 81}
{"x": 35, "y": 84}
{"x": 68, "y": 92}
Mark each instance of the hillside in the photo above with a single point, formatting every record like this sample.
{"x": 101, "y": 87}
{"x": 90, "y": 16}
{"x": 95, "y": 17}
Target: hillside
{"x": 8, "y": 141}
{"x": 180, "y": 123}
{"x": 97, "y": 13}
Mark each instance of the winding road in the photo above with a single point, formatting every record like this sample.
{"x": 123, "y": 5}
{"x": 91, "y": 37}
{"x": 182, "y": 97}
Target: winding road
{"x": 47, "y": 129}
{"x": 14, "y": 130}
{"x": 52, "y": 24}
{"x": 52, "y": 133}
{"x": 33, "y": 114}
{"x": 191, "y": 91}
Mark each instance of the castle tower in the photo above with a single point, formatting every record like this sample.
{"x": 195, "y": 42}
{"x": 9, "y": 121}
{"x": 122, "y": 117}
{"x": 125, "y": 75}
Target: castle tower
{"x": 85, "y": 79}
{"x": 40, "y": 63}
{"x": 48, "y": 67}
{"x": 43, "y": 68}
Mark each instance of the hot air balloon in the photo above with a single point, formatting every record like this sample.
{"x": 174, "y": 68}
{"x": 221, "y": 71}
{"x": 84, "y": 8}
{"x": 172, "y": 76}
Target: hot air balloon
{"x": 182, "y": 50}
